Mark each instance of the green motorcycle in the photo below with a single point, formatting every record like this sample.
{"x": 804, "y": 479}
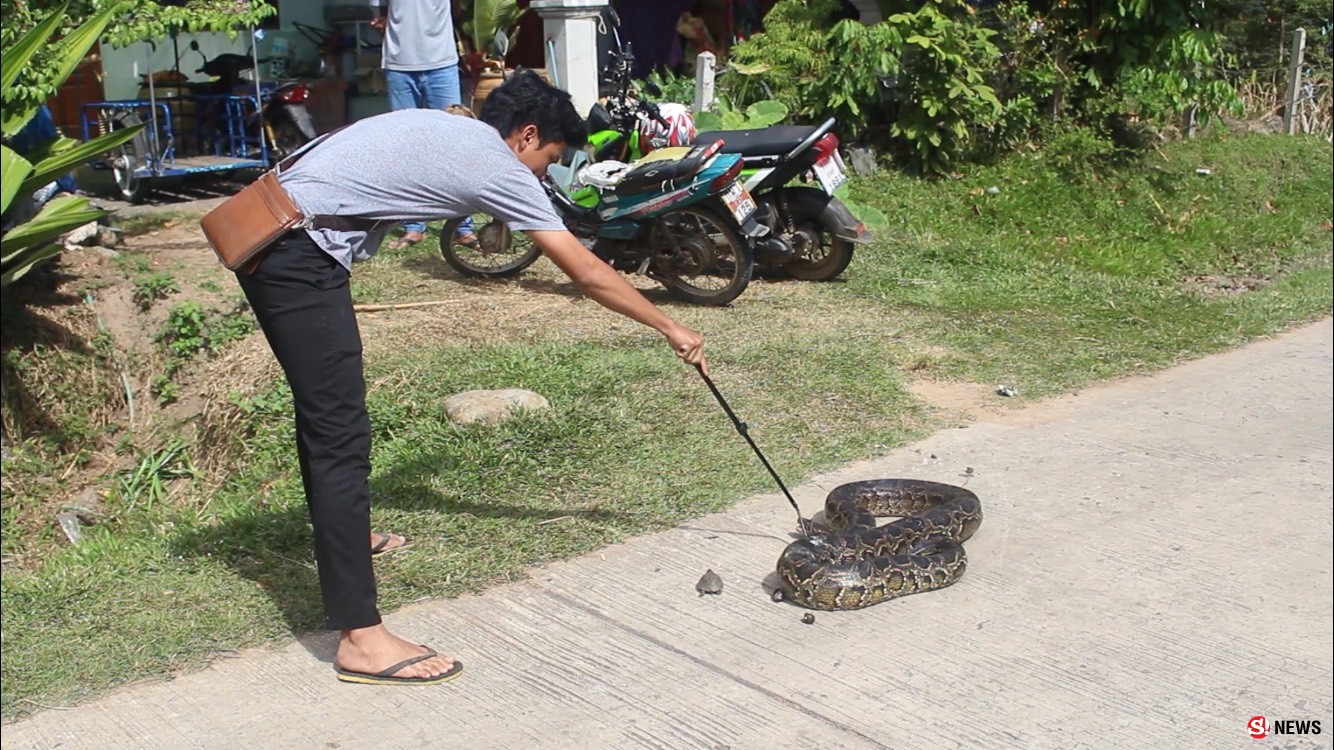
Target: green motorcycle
{"x": 812, "y": 234}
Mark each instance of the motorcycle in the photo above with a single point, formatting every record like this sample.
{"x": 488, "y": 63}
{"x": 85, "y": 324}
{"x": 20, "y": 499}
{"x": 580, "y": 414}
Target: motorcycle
{"x": 812, "y": 233}
{"x": 679, "y": 217}
{"x": 287, "y": 123}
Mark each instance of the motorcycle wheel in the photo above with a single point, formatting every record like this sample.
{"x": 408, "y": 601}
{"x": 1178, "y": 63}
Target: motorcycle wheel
{"x": 126, "y": 158}
{"x": 825, "y": 255}
{"x": 703, "y": 246}
{"x": 499, "y": 252}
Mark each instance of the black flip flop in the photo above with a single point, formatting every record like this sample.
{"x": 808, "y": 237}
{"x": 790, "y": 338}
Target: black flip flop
{"x": 385, "y": 677}
{"x": 382, "y": 547}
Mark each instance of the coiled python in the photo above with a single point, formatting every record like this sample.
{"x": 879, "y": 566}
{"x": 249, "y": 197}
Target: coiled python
{"x": 858, "y": 564}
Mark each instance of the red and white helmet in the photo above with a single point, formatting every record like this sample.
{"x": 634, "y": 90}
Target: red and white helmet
{"x": 679, "y": 130}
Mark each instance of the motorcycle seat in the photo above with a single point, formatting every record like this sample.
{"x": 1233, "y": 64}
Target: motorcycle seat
{"x": 663, "y": 174}
{"x": 773, "y": 141}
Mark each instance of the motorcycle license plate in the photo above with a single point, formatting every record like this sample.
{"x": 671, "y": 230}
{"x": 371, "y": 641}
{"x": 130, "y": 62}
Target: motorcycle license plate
{"x": 739, "y": 202}
{"x": 829, "y": 171}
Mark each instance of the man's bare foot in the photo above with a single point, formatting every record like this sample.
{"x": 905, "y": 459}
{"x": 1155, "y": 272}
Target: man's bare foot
{"x": 382, "y": 543}
{"x": 374, "y": 649}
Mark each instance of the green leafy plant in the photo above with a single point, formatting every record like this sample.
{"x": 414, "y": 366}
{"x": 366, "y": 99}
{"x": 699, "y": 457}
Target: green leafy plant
{"x": 184, "y": 333}
{"x": 483, "y": 18}
{"x": 786, "y": 60}
{"x": 30, "y": 240}
{"x": 1141, "y": 59}
{"x": 1027, "y": 78}
{"x": 152, "y": 287}
{"x": 871, "y": 216}
{"x": 921, "y": 72}
{"x": 271, "y": 403}
{"x": 937, "y": 59}
{"x": 189, "y": 331}
{"x": 147, "y": 481}
{"x": 945, "y": 80}
{"x": 761, "y": 114}
{"x": 164, "y": 389}
{"x": 670, "y": 87}
{"x": 230, "y": 326}
{"x": 132, "y": 263}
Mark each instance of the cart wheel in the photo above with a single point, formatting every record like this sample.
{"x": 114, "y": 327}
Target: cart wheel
{"x": 126, "y": 158}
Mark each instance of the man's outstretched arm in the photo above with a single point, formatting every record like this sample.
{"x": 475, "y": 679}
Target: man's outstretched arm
{"x": 600, "y": 282}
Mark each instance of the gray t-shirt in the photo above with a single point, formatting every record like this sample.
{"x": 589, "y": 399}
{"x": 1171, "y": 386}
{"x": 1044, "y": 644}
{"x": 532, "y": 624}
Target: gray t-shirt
{"x": 418, "y": 35}
{"x": 414, "y": 165}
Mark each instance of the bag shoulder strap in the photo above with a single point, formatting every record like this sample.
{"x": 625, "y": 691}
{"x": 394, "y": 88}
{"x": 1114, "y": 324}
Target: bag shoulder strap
{"x": 326, "y": 221}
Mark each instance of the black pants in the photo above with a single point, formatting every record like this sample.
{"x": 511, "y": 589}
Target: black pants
{"x": 304, "y": 305}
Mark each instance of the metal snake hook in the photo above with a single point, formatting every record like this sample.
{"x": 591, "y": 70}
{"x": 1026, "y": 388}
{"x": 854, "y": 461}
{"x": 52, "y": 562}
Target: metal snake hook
{"x": 802, "y": 523}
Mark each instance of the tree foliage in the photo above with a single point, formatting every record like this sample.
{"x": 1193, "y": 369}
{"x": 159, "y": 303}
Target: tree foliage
{"x": 30, "y": 231}
{"x": 938, "y": 75}
{"x": 1256, "y": 30}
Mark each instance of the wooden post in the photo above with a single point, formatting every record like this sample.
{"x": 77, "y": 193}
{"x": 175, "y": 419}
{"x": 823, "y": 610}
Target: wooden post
{"x": 704, "y": 72}
{"x": 1290, "y": 110}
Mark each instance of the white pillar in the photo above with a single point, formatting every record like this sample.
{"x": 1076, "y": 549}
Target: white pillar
{"x": 704, "y": 75}
{"x": 570, "y": 37}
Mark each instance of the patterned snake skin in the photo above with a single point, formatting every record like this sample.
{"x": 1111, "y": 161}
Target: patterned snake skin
{"x": 858, "y": 564}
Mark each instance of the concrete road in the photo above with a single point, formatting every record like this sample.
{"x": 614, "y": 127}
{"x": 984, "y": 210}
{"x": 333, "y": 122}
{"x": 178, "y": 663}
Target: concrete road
{"x": 1154, "y": 570}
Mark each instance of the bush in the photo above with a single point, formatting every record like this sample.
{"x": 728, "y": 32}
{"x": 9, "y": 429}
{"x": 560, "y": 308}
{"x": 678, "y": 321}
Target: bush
{"x": 942, "y": 81}
{"x": 919, "y": 75}
{"x": 786, "y": 60}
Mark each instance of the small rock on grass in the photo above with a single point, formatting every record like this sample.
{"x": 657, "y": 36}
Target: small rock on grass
{"x": 69, "y": 523}
{"x": 489, "y": 407}
{"x": 108, "y": 237}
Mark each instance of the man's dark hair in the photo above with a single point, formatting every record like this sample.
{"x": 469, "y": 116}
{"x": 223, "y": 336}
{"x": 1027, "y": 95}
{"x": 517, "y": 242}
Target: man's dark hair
{"x": 525, "y": 99}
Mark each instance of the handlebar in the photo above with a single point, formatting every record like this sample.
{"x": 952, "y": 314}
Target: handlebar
{"x": 652, "y": 110}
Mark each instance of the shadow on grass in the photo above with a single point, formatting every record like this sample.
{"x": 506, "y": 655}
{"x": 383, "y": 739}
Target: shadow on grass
{"x": 40, "y": 335}
{"x": 274, "y": 548}
{"x": 435, "y": 268}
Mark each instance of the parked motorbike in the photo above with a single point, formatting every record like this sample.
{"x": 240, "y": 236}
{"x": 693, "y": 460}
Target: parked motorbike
{"x": 287, "y": 123}
{"x": 679, "y": 217}
{"x": 812, "y": 233}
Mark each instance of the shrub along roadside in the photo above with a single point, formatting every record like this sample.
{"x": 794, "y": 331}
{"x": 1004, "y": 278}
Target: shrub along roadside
{"x": 942, "y": 82}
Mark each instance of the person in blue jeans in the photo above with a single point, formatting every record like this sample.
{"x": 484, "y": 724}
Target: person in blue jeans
{"x": 420, "y": 59}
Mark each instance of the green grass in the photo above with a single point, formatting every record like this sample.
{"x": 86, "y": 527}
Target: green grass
{"x": 1063, "y": 278}
{"x": 1053, "y": 282}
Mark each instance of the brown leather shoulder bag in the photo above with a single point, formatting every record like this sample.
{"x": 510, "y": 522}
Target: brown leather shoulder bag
{"x": 247, "y": 223}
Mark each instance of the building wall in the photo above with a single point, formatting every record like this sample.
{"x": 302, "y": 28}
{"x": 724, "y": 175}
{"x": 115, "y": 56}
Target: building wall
{"x": 119, "y": 65}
